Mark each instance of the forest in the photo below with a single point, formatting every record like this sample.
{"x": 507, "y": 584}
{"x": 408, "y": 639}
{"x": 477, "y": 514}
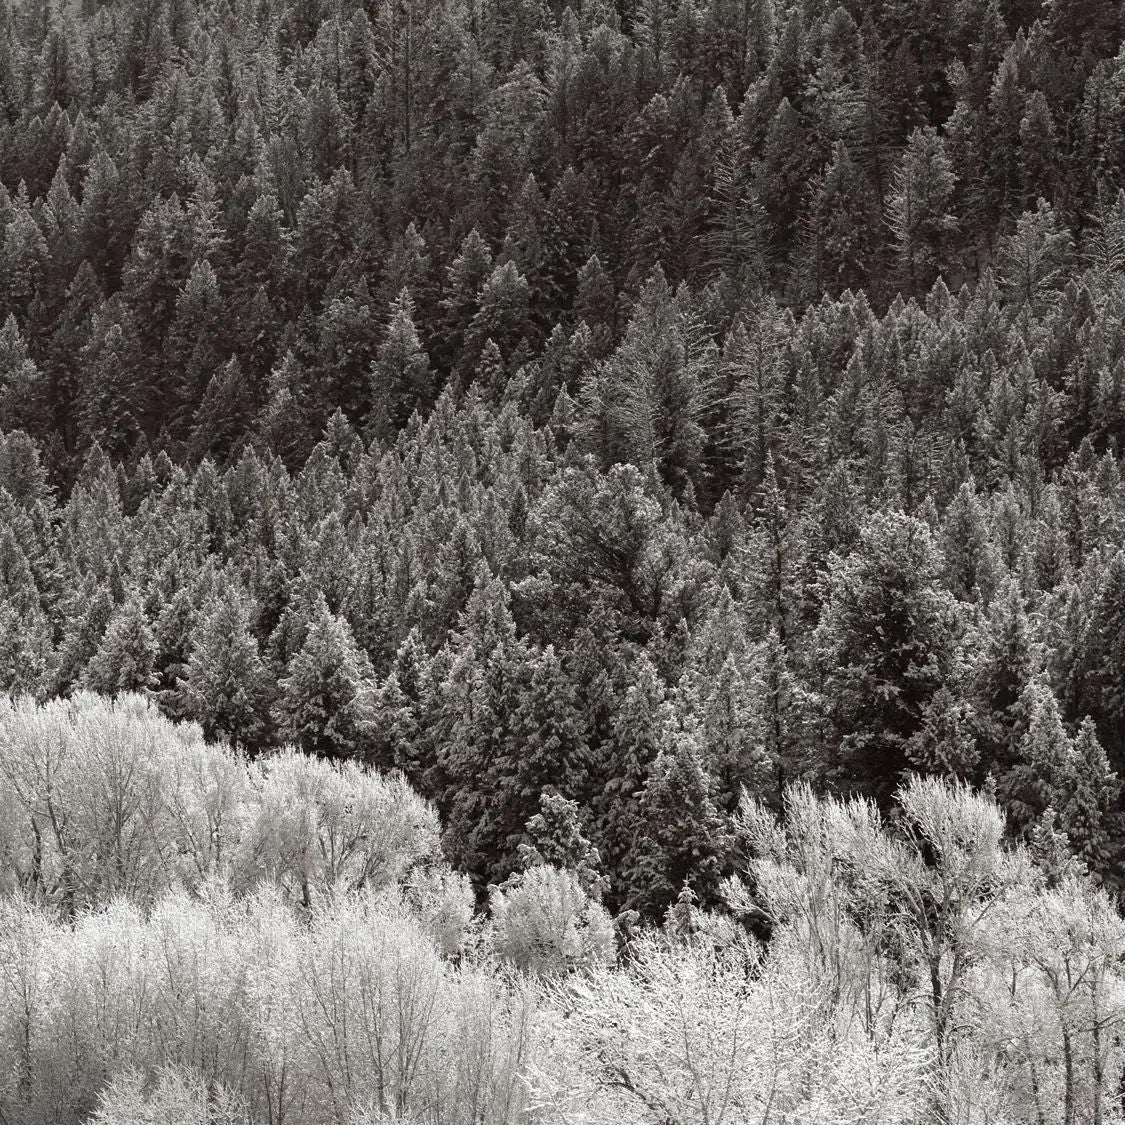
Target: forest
{"x": 562, "y": 563}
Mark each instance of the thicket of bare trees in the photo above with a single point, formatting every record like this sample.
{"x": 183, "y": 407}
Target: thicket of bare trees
{"x": 188, "y": 937}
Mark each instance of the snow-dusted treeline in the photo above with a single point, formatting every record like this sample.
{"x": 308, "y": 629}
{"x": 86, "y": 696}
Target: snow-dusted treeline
{"x": 187, "y": 936}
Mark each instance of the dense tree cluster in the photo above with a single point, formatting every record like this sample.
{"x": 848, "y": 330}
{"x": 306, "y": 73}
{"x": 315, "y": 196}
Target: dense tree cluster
{"x": 913, "y": 561}
{"x": 192, "y": 937}
{"x": 621, "y": 401}
{"x": 220, "y": 220}
{"x": 561, "y": 562}
{"x": 624, "y": 403}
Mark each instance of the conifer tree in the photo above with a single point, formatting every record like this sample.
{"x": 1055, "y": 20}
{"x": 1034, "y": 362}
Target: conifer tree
{"x": 1089, "y": 814}
{"x": 1071, "y": 776}
{"x": 732, "y": 736}
{"x": 1007, "y": 664}
{"x": 1033, "y": 260}
{"x": 126, "y": 656}
{"x": 652, "y": 388}
{"x": 769, "y": 558}
{"x": 225, "y": 685}
{"x": 556, "y": 838}
{"x": 326, "y": 701}
{"x": 25, "y": 648}
{"x": 401, "y": 381}
{"x": 970, "y": 563}
{"x": 223, "y": 415}
{"x": 918, "y": 210}
{"x": 548, "y": 739}
{"x": 638, "y": 734}
{"x": 93, "y": 610}
{"x": 24, "y": 396}
{"x": 886, "y": 642}
{"x": 682, "y": 840}
{"x": 1099, "y": 664}
{"x": 466, "y": 275}
{"x": 502, "y": 316}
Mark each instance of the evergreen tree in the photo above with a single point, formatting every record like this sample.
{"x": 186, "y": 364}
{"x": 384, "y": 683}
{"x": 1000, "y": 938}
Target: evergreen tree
{"x": 651, "y": 388}
{"x": 1007, "y": 663}
{"x": 733, "y": 737}
{"x": 326, "y": 701}
{"x": 1033, "y": 260}
{"x": 1070, "y": 776}
{"x": 126, "y": 656}
{"x": 886, "y": 643}
{"x": 548, "y": 739}
{"x": 682, "y": 840}
{"x": 970, "y": 563}
{"x": 502, "y": 316}
{"x": 401, "y": 381}
{"x": 225, "y": 685}
{"x": 24, "y": 396}
{"x": 1099, "y": 665}
{"x": 638, "y": 735}
{"x": 92, "y": 611}
{"x": 918, "y": 210}
{"x": 556, "y": 838}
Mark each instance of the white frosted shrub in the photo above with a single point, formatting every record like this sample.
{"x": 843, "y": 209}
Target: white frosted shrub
{"x": 694, "y": 1036}
{"x": 315, "y": 826}
{"x": 102, "y": 798}
{"x": 370, "y": 987}
{"x": 442, "y": 901}
{"x": 545, "y": 922}
{"x": 348, "y": 1011}
{"x": 173, "y": 1096}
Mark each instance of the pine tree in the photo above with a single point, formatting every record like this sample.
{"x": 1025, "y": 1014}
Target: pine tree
{"x": 784, "y": 707}
{"x": 346, "y": 346}
{"x": 918, "y": 210}
{"x": 25, "y": 648}
{"x": 970, "y": 563}
{"x": 126, "y": 657}
{"x": 93, "y": 609}
{"x": 732, "y": 735}
{"x": 1071, "y": 776}
{"x": 24, "y": 257}
{"x": 751, "y": 405}
{"x": 682, "y": 840}
{"x": 1008, "y": 662}
{"x": 547, "y": 742}
{"x": 1042, "y": 772}
{"x": 556, "y": 838}
{"x": 638, "y": 733}
{"x": 473, "y": 762}
{"x": 946, "y": 745}
{"x": 503, "y": 316}
{"x": 194, "y": 345}
{"x": 594, "y": 303}
{"x": 326, "y": 701}
{"x": 836, "y": 232}
{"x": 225, "y": 685}
{"x": 1034, "y": 260}
{"x": 24, "y": 395}
{"x": 652, "y": 388}
{"x": 886, "y": 643}
{"x": 398, "y": 724}
{"x": 223, "y": 415}
{"x": 401, "y": 381}
{"x": 1089, "y": 812}
{"x": 770, "y": 562}
{"x": 460, "y": 297}
{"x": 1099, "y": 664}
{"x": 284, "y": 424}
